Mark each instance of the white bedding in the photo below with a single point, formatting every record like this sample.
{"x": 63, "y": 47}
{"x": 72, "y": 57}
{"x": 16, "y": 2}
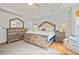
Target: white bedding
{"x": 42, "y": 32}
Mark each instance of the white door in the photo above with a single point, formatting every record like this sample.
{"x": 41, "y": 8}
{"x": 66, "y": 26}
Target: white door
{"x": 2, "y": 35}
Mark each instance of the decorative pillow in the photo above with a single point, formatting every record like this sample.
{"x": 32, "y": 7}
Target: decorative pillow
{"x": 49, "y": 29}
{"x": 43, "y": 29}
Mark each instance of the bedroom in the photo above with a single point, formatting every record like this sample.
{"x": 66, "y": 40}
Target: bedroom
{"x": 45, "y": 25}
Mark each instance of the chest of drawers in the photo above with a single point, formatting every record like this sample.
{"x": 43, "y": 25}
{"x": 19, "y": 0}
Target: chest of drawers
{"x": 14, "y": 34}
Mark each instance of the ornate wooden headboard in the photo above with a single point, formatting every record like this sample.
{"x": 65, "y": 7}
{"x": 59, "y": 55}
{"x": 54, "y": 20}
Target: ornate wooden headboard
{"x": 49, "y": 24}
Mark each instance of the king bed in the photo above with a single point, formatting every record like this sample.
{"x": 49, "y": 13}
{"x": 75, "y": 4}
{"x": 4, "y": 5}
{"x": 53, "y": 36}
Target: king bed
{"x": 42, "y": 38}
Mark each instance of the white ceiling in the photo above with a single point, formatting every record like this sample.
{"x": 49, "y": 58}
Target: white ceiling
{"x": 44, "y": 9}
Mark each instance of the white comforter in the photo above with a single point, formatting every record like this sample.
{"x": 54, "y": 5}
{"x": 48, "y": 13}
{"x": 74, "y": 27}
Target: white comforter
{"x": 42, "y": 32}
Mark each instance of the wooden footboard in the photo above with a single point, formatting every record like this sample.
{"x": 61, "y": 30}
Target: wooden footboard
{"x": 37, "y": 39}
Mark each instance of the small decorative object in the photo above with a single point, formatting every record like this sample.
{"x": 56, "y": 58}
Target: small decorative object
{"x": 35, "y": 26}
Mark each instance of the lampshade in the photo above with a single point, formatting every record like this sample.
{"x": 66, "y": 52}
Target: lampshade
{"x": 63, "y": 27}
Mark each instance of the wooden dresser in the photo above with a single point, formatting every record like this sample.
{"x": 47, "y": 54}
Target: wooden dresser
{"x": 14, "y": 34}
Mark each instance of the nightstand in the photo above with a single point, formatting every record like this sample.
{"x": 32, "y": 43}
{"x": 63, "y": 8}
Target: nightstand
{"x": 60, "y": 36}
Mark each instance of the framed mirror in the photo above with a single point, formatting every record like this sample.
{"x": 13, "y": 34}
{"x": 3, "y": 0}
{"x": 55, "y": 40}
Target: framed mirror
{"x": 16, "y": 23}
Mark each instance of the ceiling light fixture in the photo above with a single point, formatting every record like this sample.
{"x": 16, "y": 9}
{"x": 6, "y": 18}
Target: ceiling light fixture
{"x": 30, "y": 4}
{"x": 33, "y": 4}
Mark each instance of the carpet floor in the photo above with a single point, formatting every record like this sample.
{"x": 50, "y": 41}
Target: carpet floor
{"x": 24, "y": 48}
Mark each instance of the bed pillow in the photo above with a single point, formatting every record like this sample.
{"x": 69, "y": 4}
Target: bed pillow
{"x": 50, "y": 36}
{"x": 49, "y": 29}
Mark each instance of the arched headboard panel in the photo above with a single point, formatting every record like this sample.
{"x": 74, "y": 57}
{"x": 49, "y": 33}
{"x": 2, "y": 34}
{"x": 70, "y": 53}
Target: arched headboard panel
{"x": 47, "y": 23}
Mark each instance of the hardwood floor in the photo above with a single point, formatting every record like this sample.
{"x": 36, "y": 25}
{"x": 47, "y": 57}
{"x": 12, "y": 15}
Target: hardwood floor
{"x": 58, "y": 46}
